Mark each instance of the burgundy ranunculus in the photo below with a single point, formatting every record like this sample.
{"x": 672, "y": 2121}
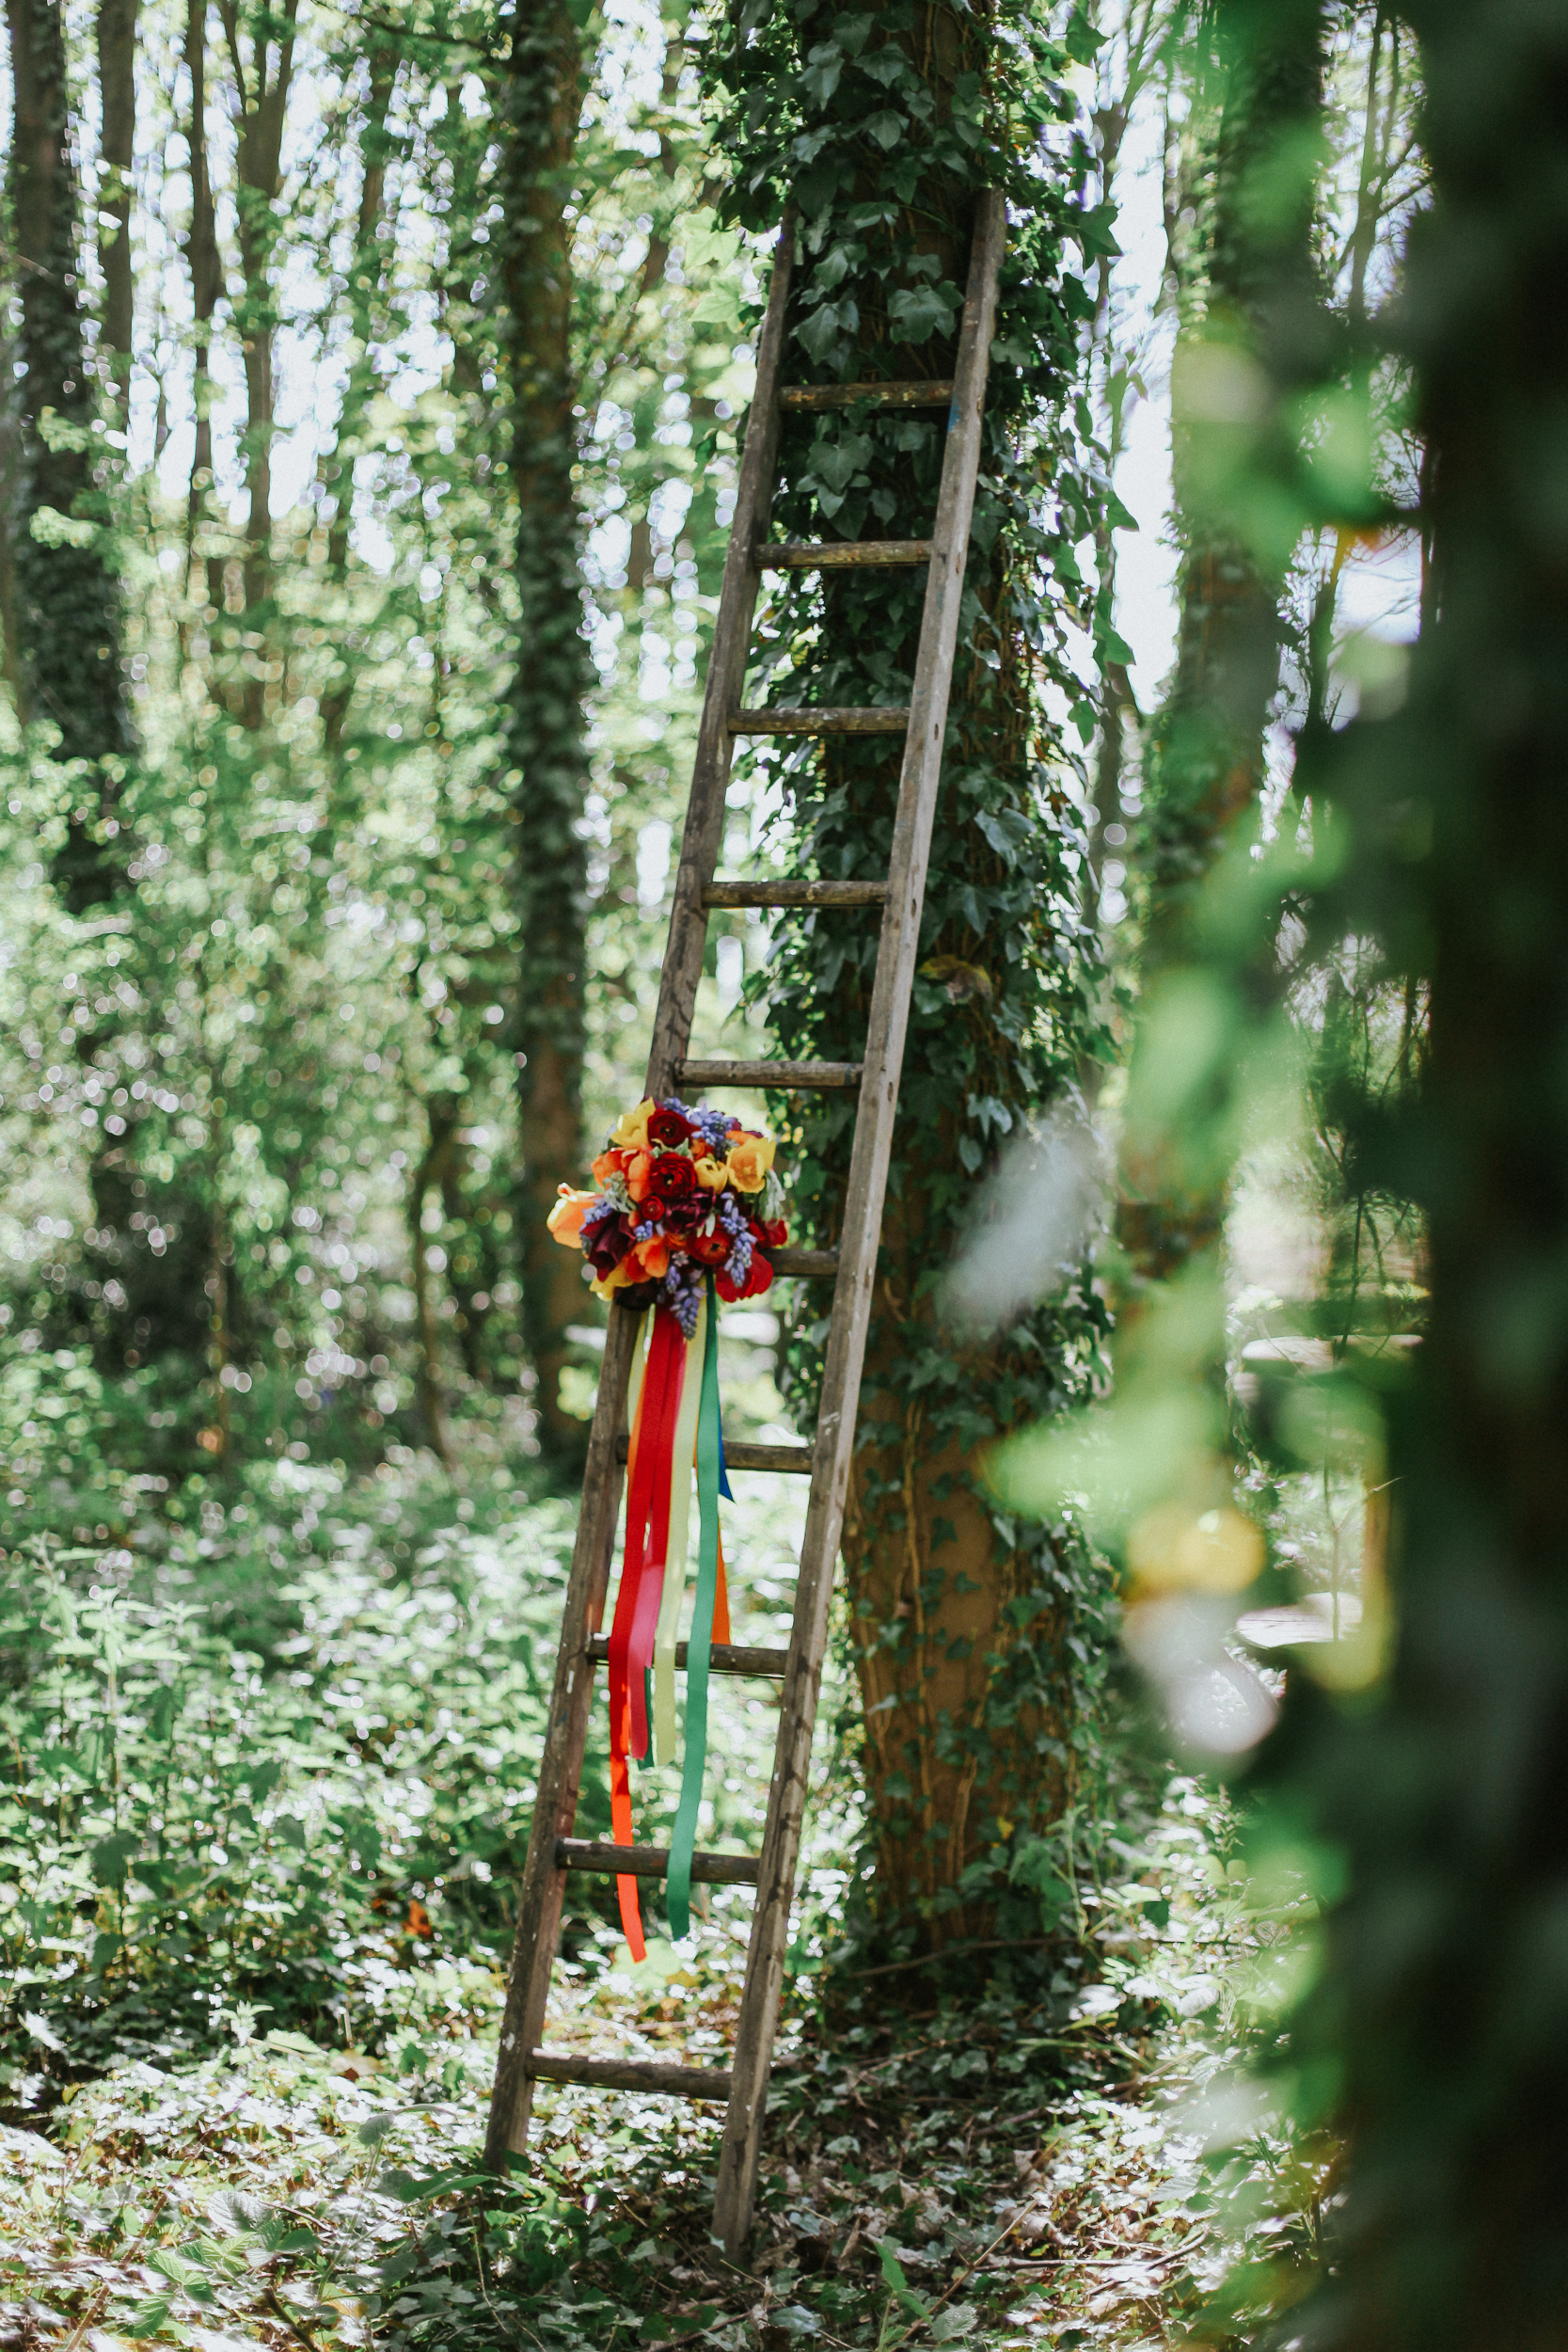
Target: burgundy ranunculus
{"x": 608, "y": 1245}
{"x": 682, "y": 1215}
{"x": 669, "y": 1128}
{"x": 652, "y": 1208}
{"x": 674, "y": 1175}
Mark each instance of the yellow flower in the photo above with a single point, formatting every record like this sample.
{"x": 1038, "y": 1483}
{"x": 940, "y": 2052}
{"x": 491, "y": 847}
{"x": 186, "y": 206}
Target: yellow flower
{"x": 750, "y": 1158}
{"x": 631, "y": 1131}
{"x": 713, "y": 1175}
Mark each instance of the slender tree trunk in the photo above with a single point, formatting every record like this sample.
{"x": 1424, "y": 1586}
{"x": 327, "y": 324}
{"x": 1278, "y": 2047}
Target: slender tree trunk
{"x": 547, "y": 716}
{"x": 262, "y": 84}
{"x": 67, "y": 605}
{"x": 116, "y": 91}
{"x": 367, "y": 275}
{"x": 441, "y": 1112}
{"x": 205, "y": 263}
{"x": 1257, "y": 339}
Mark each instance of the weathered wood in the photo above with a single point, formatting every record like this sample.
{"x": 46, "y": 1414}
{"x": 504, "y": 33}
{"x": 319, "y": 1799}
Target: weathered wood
{"x": 822, "y": 718}
{"x": 785, "y": 893}
{"x": 808, "y": 1265}
{"x": 863, "y": 1217}
{"x": 738, "y": 1454}
{"x": 673, "y": 2082}
{"x": 819, "y": 1076}
{"x": 724, "y": 1658}
{"x": 652, "y": 1862}
{"x": 842, "y": 555}
{"x": 727, "y": 679}
{"x": 936, "y": 394}
{"x": 561, "y": 1765}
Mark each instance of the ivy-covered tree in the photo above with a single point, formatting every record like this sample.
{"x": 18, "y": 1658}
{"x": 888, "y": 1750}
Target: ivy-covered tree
{"x": 974, "y": 1640}
{"x": 66, "y": 605}
{"x": 539, "y": 105}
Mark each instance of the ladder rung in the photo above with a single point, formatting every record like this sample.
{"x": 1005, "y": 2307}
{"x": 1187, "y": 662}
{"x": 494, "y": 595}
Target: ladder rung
{"x": 652, "y": 1862}
{"x": 724, "y": 1658}
{"x": 928, "y": 395}
{"x": 802, "y": 555}
{"x": 821, "y": 718}
{"x": 815, "y": 1074}
{"x": 676, "y": 2082}
{"x": 740, "y": 1456}
{"x": 794, "y": 894}
{"x": 807, "y": 1265}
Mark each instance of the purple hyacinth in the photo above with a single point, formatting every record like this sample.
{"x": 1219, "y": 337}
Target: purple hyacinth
{"x": 602, "y": 1210}
{"x": 681, "y": 1292}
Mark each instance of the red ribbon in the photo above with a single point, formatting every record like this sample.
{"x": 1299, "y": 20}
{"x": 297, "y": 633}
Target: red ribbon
{"x": 649, "y": 1482}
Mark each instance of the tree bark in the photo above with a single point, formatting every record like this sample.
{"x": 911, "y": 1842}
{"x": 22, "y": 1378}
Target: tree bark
{"x": 262, "y": 85}
{"x": 116, "y": 93}
{"x": 68, "y": 604}
{"x": 205, "y": 263}
{"x": 540, "y": 107}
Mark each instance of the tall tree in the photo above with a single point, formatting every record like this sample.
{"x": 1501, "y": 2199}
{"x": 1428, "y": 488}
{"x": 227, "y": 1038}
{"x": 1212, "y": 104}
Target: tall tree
{"x": 1251, "y": 341}
{"x": 117, "y": 100}
{"x": 538, "y": 106}
{"x": 967, "y": 1630}
{"x": 66, "y": 597}
{"x": 1442, "y": 2016}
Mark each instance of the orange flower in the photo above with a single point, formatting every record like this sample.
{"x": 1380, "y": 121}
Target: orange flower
{"x": 565, "y": 1219}
{"x": 609, "y": 1164}
{"x": 652, "y": 1261}
{"x": 635, "y": 1165}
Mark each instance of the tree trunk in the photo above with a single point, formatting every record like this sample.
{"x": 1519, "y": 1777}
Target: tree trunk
{"x": 1256, "y": 339}
{"x": 546, "y": 719}
{"x": 117, "y": 92}
{"x": 68, "y": 606}
{"x": 262, "y": 85}
{"x": 205, "y": 263}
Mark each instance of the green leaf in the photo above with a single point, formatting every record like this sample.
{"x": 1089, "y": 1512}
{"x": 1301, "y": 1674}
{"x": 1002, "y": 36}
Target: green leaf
{"x": 1081, "y": 40}
{"x": 888, "y": 127}
{"x": 823, "y": 69}
{"x": 957, "y": 2321}
{"x": 918, "y": 313}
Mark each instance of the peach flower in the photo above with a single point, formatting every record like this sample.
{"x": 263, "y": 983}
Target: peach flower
{"x": 565, "y": 1219}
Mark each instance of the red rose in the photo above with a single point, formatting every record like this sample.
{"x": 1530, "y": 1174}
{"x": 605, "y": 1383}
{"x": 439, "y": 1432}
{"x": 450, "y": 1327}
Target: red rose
{"x": 669, "y": 1128}
{"x": 651, "y": 1209}
{"x": 674, "y": 1175}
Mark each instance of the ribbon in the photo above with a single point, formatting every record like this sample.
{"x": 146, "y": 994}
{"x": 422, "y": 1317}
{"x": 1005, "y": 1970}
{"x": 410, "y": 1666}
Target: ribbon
{"x": 665, "y": 1737}
{"x": 632, "y": 1629}
{"x": 706, "y": 1621}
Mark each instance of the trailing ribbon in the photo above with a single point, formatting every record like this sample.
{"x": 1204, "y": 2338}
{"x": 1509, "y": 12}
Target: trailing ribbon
{"x": 632, "y": 1629}
{"x": 711, "y": 1479}
{"x": 675, "y": 1424}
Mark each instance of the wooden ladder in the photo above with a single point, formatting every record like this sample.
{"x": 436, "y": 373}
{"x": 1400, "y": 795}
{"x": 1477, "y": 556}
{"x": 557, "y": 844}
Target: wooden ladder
{"x": 552, "y": 1849}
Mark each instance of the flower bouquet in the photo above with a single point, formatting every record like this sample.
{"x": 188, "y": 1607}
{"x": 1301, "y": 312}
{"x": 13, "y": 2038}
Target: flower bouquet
{"x": 680, "y": 1193}
{"x": 684, "y": 1213}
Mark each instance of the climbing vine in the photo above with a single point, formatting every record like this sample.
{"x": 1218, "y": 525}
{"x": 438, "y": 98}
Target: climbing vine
{"x": 978, "y": 1642}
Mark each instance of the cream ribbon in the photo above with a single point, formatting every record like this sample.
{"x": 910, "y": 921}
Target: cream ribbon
{"x": 674, "y": 1566}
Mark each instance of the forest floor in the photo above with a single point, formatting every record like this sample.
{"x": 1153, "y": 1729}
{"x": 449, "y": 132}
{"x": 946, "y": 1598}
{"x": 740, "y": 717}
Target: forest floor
{"x": 1081, "y": 2162}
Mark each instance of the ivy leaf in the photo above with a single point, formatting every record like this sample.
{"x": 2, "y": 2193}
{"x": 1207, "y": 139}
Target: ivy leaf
{"x": 820, "y": 333}
{"x": 1081, "y": 40}
{"x": 1093, "y": 232}
{"x": 887, "y": 128}
{"x": 1112, "y": 645}
{"x": 918, "y": 313}
{"x": 823, "y": 69}
{"x": 888, "y": 66}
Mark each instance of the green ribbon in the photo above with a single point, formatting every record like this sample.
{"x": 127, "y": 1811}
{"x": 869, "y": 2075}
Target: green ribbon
{"x": 710, "y": 1474}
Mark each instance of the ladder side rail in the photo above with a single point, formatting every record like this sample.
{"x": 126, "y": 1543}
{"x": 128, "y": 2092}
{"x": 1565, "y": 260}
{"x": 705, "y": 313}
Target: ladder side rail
{"x": 704, "y": 834}
{"x": 897, "y": 956}
{"x": 543, "y": 1881}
